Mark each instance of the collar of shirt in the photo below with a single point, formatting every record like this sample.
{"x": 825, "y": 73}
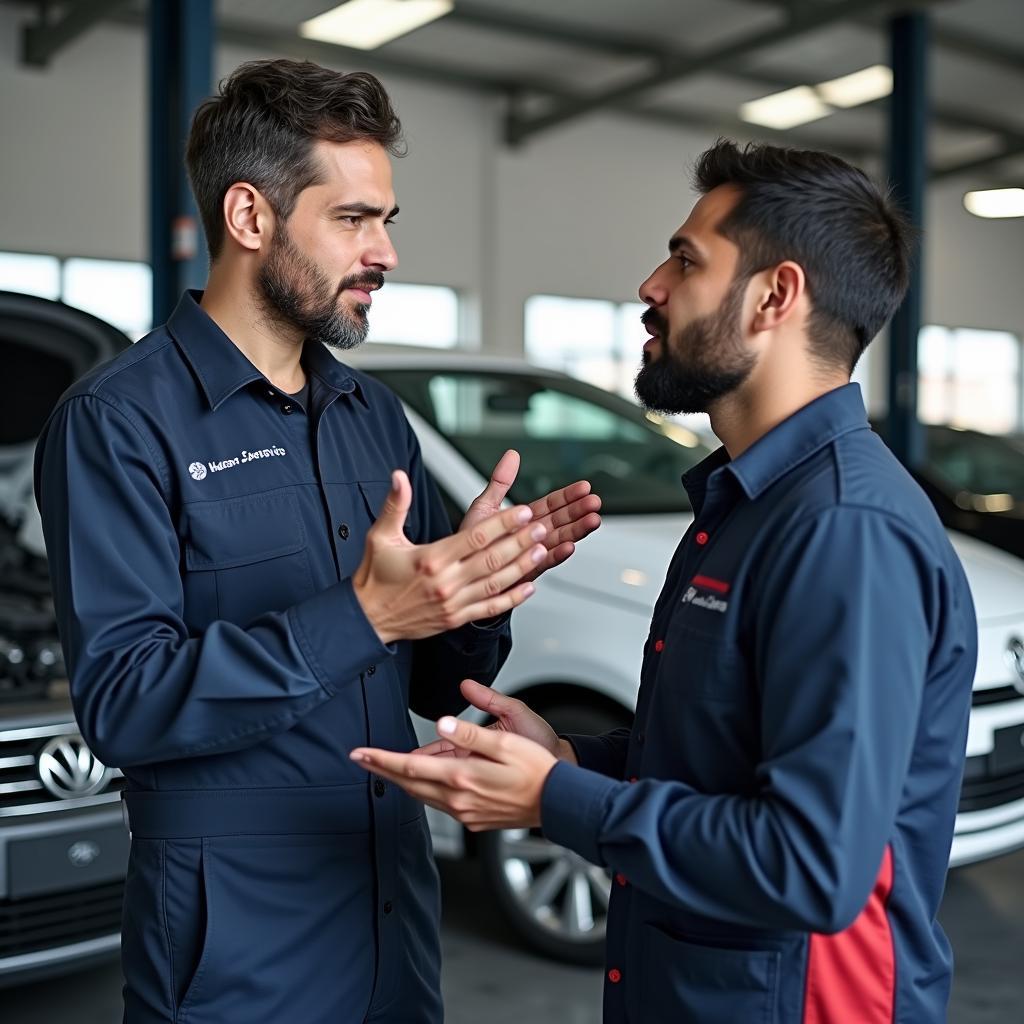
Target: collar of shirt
{"x": 222, "y": 367}
{"x": 770, "y": 457}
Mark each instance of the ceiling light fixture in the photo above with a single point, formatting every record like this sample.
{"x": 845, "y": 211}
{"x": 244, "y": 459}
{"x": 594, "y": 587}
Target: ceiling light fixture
{"x": 861, "y": 87}
{"x": 995, "y": 202}
{"x": 807, "y": 103}
{"x": 785, "y": 109}
{"x": 367, "y": 24}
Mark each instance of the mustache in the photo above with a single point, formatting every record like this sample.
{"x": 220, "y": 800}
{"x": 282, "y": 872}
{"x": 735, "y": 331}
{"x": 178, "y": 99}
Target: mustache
{"x": 369, "y": 281}
{"x": 651, "y": 318}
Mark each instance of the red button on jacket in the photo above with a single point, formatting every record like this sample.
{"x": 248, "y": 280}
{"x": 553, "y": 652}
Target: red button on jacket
{"x": 615, "y": 976}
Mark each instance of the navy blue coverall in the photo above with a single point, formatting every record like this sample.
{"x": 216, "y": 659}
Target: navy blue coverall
{"x": 202, "y": 529}
{"x": 779, "y": 818}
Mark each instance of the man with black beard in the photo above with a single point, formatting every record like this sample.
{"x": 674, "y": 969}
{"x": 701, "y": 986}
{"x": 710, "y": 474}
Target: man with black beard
{"x": 778, "y": 819}
{"x": 234, "y": 625}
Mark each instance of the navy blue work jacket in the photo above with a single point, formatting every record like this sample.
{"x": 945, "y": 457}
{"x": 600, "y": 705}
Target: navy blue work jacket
{"x": 779, "y": 818}
{"x": 202, "y": 529}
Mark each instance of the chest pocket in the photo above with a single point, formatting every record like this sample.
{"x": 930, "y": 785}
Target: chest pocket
{"x": 244, "y": 557}
{"x": 375, "y": 493}
{"x": 701, "y": 721}
{"x": 696, "y": 665}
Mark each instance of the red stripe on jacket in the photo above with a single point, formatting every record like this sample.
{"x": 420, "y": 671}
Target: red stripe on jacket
{"x": 711, "y": 584}
{"x": 851, "y": 976}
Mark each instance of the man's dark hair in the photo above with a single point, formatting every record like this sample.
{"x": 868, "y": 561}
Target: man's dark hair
{"x": 852, "y": 241}
{"x": 262, "y": 125}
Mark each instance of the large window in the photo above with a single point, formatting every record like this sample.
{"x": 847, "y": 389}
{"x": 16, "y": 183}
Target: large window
{"x": 594, "y": 340}
{"x": 118, "y": 291}
{"x": 970, "y": 378}
{"x": 415, "y": 314}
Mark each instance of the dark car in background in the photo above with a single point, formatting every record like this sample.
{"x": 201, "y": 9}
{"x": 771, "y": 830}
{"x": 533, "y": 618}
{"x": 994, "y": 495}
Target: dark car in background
{"x": 63, "y": 845}
{"x": 976, "y": 483}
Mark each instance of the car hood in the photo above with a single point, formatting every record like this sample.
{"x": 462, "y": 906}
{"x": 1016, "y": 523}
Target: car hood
{"x": 996, "y": 578}
{"x": 627, "y": 558}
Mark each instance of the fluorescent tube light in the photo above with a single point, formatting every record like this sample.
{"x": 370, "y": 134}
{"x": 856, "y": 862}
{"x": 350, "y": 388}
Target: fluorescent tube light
{"x": 996, "y": 202}
{"x": 786, "y": 109}
{"x": 861, "y": 87}
{"x": 808, "y": 103}
{"x": 367, "y": 24}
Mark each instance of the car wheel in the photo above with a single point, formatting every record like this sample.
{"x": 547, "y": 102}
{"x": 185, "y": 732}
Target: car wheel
{"x": 555, "y": 900}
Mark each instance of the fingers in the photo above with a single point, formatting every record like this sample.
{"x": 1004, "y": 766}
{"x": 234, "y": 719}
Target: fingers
{"x": 560, "y": 498}
{"x": 503, "y": 476}
{"x": 484, "y": 533}
{"x": 391, "y": 517}
{"x": 573, "y": 521}
{"x": 475, "y": 586}
{"x": 492, "y": 607}
{"x": 475, "y": 739}
{"x": 439, "y": 748}
{"x": 488, "y": 700}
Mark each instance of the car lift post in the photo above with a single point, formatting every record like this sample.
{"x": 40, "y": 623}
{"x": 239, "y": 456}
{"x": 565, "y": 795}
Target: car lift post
{"x": 181, "y": 44}
{"x": 908, "y": 171}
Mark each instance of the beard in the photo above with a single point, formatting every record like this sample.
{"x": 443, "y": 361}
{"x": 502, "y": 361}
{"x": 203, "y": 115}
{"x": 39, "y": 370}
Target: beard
{"x": 703, "y": 362}
{"x": 297, "y": 293}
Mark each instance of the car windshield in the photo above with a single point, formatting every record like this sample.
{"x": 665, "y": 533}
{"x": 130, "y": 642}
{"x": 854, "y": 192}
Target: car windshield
{"x": 564, "y": 430}
{"x": 975, "y": 464}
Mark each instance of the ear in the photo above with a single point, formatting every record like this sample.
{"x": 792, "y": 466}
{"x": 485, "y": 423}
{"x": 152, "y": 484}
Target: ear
{"x": 782, "y": 292}
{"x": 248, "y": 219}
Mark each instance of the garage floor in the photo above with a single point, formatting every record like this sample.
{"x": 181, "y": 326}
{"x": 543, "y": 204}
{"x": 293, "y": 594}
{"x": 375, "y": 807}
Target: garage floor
{"x": 488, "y": 977}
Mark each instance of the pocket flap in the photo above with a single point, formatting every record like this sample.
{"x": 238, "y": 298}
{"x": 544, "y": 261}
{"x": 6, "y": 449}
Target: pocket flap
{"x": 239, "y": 531}
{"x": 375, "y": 493}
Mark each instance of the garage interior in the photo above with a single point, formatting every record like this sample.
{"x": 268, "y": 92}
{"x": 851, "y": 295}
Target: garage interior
{"x": 549, "y": 149}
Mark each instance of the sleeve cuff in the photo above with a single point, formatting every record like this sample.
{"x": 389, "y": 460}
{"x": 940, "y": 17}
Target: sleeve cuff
{"x": 593, "y": 753}
{"x": 573, "y": 804}
{"x": 336, "y": 637}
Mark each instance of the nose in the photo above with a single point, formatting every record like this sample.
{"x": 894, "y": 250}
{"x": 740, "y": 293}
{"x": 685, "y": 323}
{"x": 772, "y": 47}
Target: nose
{"x": 654, "y": 291}
{"x": 380, "y": 253}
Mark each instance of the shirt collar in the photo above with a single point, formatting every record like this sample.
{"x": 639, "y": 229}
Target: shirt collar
{"x": 221, "y": 366}
{"x": 784, "y": 447}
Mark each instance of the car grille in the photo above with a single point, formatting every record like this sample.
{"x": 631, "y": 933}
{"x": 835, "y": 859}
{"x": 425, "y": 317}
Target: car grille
{"x": 46, "y": 922}
{"x": 21, "y": 788}
{"x": 982, "y": 788}
{"x": 994, "y": 695}
{"x": 985, "y": 791}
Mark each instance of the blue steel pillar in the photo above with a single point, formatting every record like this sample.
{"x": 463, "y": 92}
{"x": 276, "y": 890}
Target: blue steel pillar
{"x": 181, "y": 41}
{"x": 908, "y": 172}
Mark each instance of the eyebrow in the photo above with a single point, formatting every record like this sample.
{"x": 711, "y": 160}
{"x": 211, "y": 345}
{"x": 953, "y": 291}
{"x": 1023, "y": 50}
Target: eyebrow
{"x": 677, "y": 242}
{"x": 365, "y": 209}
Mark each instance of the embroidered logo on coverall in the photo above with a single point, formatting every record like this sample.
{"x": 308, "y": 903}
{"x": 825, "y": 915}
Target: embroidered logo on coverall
{"x": 694, "y": 596}
{"x": 198, "y": 470}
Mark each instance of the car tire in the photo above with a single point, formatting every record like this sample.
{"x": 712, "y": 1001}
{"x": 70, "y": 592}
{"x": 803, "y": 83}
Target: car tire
{"x": 555, "y": 901}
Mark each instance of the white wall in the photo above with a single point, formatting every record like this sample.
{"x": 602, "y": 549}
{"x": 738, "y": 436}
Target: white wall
{"x": 583, "y": 210}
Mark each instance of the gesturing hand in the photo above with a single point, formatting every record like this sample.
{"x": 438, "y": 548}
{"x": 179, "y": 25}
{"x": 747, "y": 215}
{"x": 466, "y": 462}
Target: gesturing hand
{"x": 410, "y": 591}
{"x": 511, "y": 715}
{"x": 499, "y": 786}
{"x": 570, "y": 513}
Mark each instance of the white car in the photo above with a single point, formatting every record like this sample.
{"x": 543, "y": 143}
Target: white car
{"x": 579, "y": 639}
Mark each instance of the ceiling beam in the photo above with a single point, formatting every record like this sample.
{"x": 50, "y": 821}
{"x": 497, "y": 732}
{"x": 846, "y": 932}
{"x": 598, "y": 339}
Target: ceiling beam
{"x": 499, "y": 19}
{"x": 638, "y": 46}
{"x": 948, "y": 37}
{"x": 293, "y": 45}
{"x": 982, "y": 163}
{"x": 804, "y": 19}
{"x": 40, "y": 41}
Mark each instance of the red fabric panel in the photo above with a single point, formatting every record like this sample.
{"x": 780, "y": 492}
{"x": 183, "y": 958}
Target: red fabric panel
{"x": 851, "y": 976}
